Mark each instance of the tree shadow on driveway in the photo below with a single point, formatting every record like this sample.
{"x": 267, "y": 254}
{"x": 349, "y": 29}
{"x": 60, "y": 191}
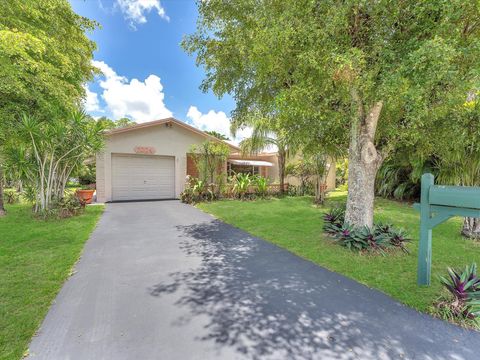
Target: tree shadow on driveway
{"x": 266, "y": 303}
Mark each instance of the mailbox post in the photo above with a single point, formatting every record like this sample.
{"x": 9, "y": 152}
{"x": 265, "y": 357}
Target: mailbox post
{"x": 438, "y": 203}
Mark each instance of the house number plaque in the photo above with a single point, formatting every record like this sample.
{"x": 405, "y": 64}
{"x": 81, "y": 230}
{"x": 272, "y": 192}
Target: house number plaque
{"x": 148, "y": 150}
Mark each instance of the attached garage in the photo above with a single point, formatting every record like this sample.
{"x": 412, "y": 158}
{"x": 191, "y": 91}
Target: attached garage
{"x": 142, "y": 177}
{"x": 146, "y": 161}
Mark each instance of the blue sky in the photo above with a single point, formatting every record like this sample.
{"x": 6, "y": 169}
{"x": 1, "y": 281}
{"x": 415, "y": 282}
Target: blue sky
{"x": 147, "y": 75}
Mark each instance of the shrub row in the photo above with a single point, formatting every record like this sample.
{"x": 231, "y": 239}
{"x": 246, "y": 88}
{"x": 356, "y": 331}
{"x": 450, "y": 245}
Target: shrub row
{"x": 380, "y": 237}
{"x": 239, "y": 186}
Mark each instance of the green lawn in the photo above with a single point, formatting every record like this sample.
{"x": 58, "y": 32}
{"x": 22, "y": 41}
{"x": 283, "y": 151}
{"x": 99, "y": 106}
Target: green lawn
{"x": 35, "y": 259}
{"x": 296, "y": 225}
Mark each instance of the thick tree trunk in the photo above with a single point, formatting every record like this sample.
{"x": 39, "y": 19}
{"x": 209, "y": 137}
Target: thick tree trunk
{"x": 363, "y": 164}
{"x": 2, "y": 208}
{"x": 471, "y": 228}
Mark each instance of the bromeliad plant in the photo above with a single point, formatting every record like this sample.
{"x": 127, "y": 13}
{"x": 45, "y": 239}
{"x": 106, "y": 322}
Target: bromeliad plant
{"x": 333, "y": 220}
{"x": 392, "y": 236}
{"x": 464, "y": 287}
{"x": 351, "y": 238}
{"x": 379, "y": 238}
{"x": 361, "y": 239}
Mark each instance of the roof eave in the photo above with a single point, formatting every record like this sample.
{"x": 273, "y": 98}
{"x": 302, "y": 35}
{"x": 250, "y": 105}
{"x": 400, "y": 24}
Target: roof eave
{"x": 165, "y": 121}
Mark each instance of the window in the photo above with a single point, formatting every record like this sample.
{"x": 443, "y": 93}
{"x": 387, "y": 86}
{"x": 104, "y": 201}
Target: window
{"x": 245, "y": 169}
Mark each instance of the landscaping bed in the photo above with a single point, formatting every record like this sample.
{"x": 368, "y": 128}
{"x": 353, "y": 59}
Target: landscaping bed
{"x": 295, "y": 224}
{"x": 36, "y": 257}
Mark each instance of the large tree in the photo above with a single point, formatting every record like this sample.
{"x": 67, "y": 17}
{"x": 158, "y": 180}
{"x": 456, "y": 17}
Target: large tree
{"x": 45, "y": 59}
{"x": 383, "y": 71}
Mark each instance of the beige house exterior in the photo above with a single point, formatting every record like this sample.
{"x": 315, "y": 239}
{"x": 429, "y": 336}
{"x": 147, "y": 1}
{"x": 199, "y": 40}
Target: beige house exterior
{"x": 150, "y": 161}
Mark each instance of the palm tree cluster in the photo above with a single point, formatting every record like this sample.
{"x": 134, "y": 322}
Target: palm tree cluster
{"x": 43, "y": 154}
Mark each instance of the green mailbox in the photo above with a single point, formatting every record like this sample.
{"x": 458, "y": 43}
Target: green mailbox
{"x": 439, "y": 203}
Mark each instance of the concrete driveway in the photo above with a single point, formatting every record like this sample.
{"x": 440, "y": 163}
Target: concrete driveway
{"x": 163, "y": 280}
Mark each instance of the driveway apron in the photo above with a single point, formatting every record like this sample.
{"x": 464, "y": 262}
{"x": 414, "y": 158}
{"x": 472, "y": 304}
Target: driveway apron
{"x": 163, "y": 280}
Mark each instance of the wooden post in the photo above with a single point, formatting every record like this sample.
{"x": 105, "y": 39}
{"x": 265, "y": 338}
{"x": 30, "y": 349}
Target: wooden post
{"x": 425, "y": 245}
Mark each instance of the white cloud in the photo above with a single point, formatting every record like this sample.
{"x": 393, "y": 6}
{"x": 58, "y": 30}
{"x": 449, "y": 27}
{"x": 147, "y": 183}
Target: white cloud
{"x": 142, "y": 101}
{"x": 135, "y": 10}
{"x": 91, "y": 102}
{"x": 217, "y": 121}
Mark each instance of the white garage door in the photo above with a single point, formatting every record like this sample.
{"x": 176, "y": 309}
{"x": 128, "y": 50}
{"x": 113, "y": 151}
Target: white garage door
{"x": 142, "y": 177}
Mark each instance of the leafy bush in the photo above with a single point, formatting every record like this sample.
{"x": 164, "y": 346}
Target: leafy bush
{"x": 11, "y": 196}
{"x": 68, "y": 206}
{"x": 341, "y": 172}
{"x": 241, "y": 183}
{"x": 29, "y": 194}
{"x": 90, "y": 186}
{"x": 86, "y": 174}
{"x": 464, "y": 301}
{"x": 308, "y": 188}
{"x": 379, "y": 238}
{"x": 261, "y": 184}
{"x": 196, "y": 190}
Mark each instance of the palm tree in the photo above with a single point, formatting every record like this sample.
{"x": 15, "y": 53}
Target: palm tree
{"x": 265, "y": 135}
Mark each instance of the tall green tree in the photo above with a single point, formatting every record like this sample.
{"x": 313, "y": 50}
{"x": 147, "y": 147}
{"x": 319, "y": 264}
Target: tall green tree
{"x": 217, "y": 135}
{"x": 209, "y": 158}
{"x": 115, "y": 124}
{"x": 45, "y": 59}
{"x": 383, "y": 71}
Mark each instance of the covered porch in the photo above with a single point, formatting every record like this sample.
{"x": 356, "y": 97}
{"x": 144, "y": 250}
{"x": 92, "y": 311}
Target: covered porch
{"x": 247, "y": 166}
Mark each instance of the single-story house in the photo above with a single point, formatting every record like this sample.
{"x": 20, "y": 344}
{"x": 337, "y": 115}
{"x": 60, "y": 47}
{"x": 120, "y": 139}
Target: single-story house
{"x": 151, "y": 161}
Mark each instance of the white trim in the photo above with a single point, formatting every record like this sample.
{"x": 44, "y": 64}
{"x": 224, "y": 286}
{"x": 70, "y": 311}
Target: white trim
{"x": 250, "y": 162}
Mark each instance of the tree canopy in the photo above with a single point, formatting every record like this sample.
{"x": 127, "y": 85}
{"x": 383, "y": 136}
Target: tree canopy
{"x": 45, "y": 58}
{"x": 217, "y": 135}
{"x": 370, "y": 74}
{"x": 115, "y": 124}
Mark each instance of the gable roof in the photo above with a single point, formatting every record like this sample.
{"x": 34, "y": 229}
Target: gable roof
{"x": 170, "y": 120}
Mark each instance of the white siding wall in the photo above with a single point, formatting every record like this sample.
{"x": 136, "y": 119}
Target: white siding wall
{"x": 100, "y": 175}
